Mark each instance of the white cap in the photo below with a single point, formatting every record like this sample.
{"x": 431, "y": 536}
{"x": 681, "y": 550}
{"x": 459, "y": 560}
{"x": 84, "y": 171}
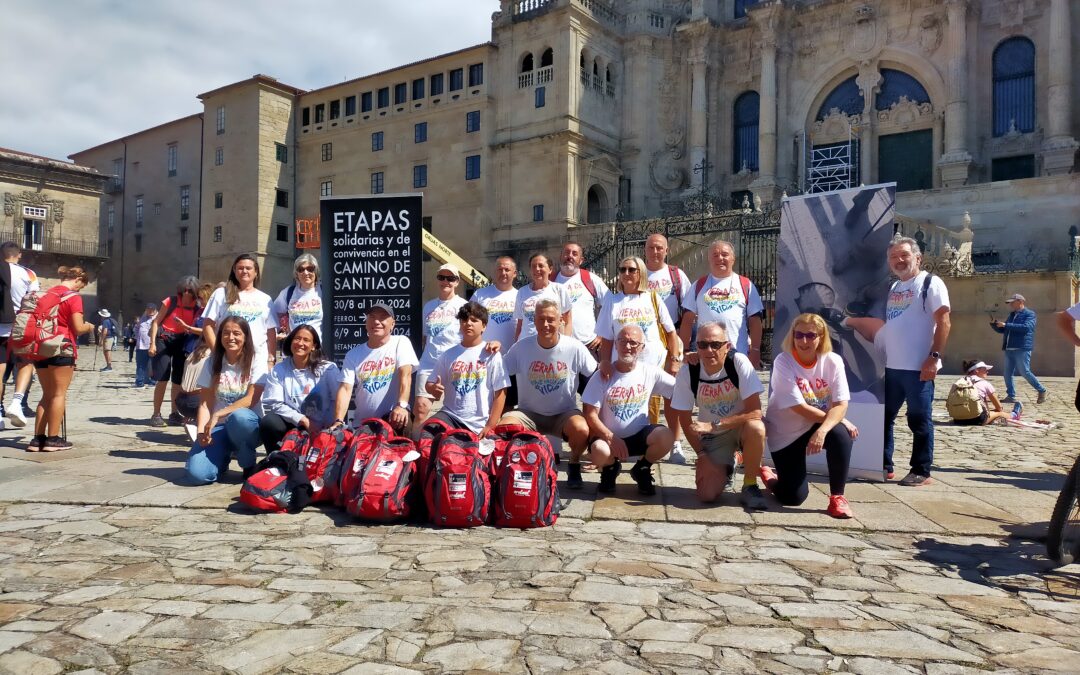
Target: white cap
{"x": 452, "y": 269}
{"x": 978, "y": 365}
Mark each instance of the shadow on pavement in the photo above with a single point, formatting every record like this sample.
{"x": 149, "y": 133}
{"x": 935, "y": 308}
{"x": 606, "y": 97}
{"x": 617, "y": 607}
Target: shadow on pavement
{"x": 178, "y": 456}
{"x": 176, "y": 475}
{"x": 163, "y": 437}
{"x": 121, "y": 420}
{"x": 1037, "y": 480}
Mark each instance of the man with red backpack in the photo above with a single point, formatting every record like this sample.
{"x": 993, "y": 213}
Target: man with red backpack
{"x": 587, "y": 292}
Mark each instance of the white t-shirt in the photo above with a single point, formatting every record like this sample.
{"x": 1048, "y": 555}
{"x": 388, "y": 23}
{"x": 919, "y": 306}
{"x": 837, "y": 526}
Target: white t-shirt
{"x": 620, "y": 310}
{"x": 583, "y": 305}
{"x": 660, "y": 281}
{"x": 716, "y": 395}
{"x": 142, "y": 332}
{"x": 1074, "y": 312}
{"x": 253, "y": 306}
{"x": 525, "y": 306}
{"x": 232, "y": 385}
{"x": 500, "y": 307}
{"x": 624, "y": 399}
{"x": 547, "y": 378}
{"x": 305, "y": 309}
{"x": 374, "y": 374}
{"x": 722, "y": 301}
{"x": 23, "y": 280}
{"x": 441, "y": 328}
{"x": 819, "y": 386}
{"x": 908, "y": 332}
{"x": 471, "y": 376}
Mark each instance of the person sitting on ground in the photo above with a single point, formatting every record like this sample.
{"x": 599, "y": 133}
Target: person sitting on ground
{"x": 471, "y": 376}
{"x": 729, "y": 415}
{"x": 547, "y": 366}
{"x": 617, "y": 410}
{"x": 379, "y": 371}
{"x": 289, "y": 385}
{"x": 300, "y": 303}
{"x": 169, "y": 332}
{"x": 226, "y": 423}
{"x": 976, "y": 372}
{"x": 808, "y": 398}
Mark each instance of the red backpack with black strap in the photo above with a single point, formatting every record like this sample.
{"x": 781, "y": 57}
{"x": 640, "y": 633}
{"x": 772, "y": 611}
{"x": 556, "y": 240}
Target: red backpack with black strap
{"x": 350, "y": 462}
{"x": 458, "y": 487}
{"x": 586, "y": 280}
{"x": 526, "y": 490}
{"x": 36, "y": 334}
{"x": 502, "y": 435}
{"x": 385, "y": 481}
{"x": 322, "y": 462}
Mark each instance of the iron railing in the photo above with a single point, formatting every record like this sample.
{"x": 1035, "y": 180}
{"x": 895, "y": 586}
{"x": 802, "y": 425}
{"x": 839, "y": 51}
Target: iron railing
{"x": 76, "y": 247}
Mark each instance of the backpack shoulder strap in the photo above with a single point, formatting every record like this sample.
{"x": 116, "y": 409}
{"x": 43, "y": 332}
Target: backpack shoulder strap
{"x": 744, "y": 282}
{"x": 700, "y": 284}
{"x": 288, "y": 295}
{"x": 587, "y": 281}
{"x": 695, "y": 377}
{"x": 676, "y": 287}
{"x": 730, "y": 370}
{"x": 926, "y": 287}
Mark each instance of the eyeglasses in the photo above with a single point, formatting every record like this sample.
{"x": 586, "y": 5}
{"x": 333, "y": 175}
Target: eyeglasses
{"x": 717, "y": 345}
{"x": 630, "y": 344}
{"x": 799, "y": 335}
{"x": 628, "y": 270}
{"x": 306, "y": 269}
{"x": 445, "y": 277}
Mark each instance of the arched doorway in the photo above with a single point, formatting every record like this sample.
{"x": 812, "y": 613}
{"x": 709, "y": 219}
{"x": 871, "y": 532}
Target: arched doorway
{"x": 597, "y": 205}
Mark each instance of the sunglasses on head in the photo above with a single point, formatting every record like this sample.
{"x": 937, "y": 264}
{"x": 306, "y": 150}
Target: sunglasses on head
{"x": 628, "y": 270}
{"x": 446, "y": 277}
{"x": 799, "y": 335}
{"x": 717, "y": 345}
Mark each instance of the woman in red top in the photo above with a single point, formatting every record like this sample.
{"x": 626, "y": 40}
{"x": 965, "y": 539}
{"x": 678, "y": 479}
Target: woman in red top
{"x": 168, "y": 335}
{"x": 55, "y": 373}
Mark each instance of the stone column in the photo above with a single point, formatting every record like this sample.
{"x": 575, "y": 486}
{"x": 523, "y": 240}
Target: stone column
{"x": 767, "y": 17}
{"x": 956, "y": 162}
{"x": 1059, "y": 148}
{"x": 699, "y": 125}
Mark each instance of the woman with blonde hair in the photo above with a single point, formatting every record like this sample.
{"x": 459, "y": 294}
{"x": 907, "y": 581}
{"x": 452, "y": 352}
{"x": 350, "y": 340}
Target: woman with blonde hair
{"x": 300, "y": 303}
{"x": 808, "y": 398}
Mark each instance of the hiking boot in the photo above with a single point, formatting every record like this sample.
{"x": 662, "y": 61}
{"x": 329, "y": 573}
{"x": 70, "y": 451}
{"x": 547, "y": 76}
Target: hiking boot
{"x": 573, "y": 477}
{"x": 35, "y": 444}
{"x": 642, "y": 475}
{"x": 175, "y": 419}
{"x": 54, "y": 443}
{"x": 915, "y": 480}
{"x": 607, "y": 477}
{"x": 1009, "y": 399}
{"x": 677, "y": 456}
{"x": 768, "y": 476}
{"x": 839, "y": 507}
{"x": 106, "y": 369}
{"x": 158, "y": 421}
{"x": 16, "y": 417}
{"x": 1043, "y": 395}
{"x": 752, "y": 498}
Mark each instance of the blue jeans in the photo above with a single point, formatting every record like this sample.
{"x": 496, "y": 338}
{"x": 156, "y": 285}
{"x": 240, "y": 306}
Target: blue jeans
{"x": 239, "y": 436}
{"x": 901, "y": 386}
{"x": 142, "y": 367}
{"x": 1019, "y": 361}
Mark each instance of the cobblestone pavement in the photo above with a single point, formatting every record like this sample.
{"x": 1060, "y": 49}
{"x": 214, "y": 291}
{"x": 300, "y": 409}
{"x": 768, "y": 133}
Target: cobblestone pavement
{"x": 111, "y": 564}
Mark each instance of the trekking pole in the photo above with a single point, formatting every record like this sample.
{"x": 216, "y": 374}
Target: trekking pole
{"x": 63, "y": 426}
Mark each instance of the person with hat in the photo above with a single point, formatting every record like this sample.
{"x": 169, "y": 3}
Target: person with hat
{"x": 142, "y": 345}
{"x": 1018, "y": 340}
{"x": 441, "y": 332}
{"x": 378, "y": 374}
{"x": 106, "y": 333}
{"x": 992, "y": 411}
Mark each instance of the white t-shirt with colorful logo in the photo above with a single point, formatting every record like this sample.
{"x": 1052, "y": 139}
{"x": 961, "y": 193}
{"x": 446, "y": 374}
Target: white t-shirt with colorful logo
{"x": 623, "y": 400}
{"x": 660, "y": 282}
{"x": 820, "y": 386}
{"x": 232, "y": 385}
{"x": 909, "y": 328}
{"x": 304, "y": 309}
{"x": 525, "y": 306}
{"x": 547, "y": 378}
{"x": 716, "y": 395}
{"x": 722, "y": 301}
{"x": 583, "y": 304}
{"x": 23, "y": 280}
{"x": 500, "y": 307}
{"x": 374, "y": 374}
{"x": 253, "y": 306}
{"x": 470, "y": 377}
{"x": 441, "y": 328}
{"x": 621, "y": 310}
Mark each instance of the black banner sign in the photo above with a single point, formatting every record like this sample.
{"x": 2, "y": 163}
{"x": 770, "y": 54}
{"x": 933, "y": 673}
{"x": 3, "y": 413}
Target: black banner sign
{"x": 371, "y": 252}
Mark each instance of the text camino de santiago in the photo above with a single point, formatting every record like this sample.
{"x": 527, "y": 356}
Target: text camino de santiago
{"x": 355, "y": 237}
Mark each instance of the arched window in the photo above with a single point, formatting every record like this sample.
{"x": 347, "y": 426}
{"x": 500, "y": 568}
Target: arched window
{"x": 527, "y": 63}
{"x": 1014, "y": 86}
{"x": 745, "y": 143}
{"x": 596, "y": 68}
{"x": 895, "y": 84}
{"x": 846, "y": 97}
{"x": 547, "y": 58}
{"x": 607, "y": 74}
{"x": 597, "y": 205}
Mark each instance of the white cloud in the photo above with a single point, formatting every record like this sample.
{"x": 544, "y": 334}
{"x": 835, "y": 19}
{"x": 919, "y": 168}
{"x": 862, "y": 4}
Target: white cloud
{"x": 82, "y": 72}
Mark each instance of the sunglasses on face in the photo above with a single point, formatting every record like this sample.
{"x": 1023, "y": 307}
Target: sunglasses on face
{"x": 628, "y": 270}
{"x": 799, "y": 335}
{"x": 702, "y": 345}
{"x": 307, "y": 269}
{"x": 446, "y": 277}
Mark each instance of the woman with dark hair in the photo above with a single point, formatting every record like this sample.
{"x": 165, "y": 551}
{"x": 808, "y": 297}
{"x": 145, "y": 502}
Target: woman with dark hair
{"x": 300, "y": 302}
{"x": 169, "y": 332}
{"x": 288, "y": 401}
{"x": 241, "y": 297}
{"x": 55, "y": 373}
{"x": 229, "y": 388}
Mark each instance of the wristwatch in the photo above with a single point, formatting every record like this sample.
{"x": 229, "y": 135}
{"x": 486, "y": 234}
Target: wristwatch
{"x": 935, "y": 355}
{"x": 405, "y": 405}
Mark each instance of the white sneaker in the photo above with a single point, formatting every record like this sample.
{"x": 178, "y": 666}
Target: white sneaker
{"x": 15, "y": 416}
{"x": 677, "y": 456}
{"x": 192, "y": 431}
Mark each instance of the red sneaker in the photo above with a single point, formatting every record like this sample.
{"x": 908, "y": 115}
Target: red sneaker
{"x": 768, "y": 476}
{"x": 890, "y": 475}
{"x": 839, "y": 507}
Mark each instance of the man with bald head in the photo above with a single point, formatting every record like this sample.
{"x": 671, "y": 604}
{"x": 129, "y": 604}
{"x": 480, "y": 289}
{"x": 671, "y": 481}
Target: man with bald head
{"x": 617, "y": 410}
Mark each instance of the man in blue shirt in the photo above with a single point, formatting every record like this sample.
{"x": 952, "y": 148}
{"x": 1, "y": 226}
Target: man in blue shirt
{"x": 1018, "y": 340}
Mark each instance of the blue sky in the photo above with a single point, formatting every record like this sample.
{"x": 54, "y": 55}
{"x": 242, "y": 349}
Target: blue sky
{"x": 77, "y": 73}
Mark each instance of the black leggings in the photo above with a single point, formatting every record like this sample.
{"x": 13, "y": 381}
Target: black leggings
{"x": 272, "y": 428}
{"x": 791, "y": 488}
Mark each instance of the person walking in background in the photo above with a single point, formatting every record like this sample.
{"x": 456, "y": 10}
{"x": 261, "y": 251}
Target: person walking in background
{"x": 129, "y": 340}
{"x": 19, "y": 281}
{"x": 142, "y": 345}
{"x": 1018, "y": 341}
{"x": 107, "y": 332}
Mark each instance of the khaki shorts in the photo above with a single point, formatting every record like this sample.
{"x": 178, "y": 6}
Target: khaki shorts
{"x": 545, "y": 424}
{"x": 717, "y": 453}
{"x": 107, "y": 343}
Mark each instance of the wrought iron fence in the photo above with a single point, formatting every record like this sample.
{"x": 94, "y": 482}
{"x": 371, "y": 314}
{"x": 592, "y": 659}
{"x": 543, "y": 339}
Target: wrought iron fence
{"x": 76, "y": 247}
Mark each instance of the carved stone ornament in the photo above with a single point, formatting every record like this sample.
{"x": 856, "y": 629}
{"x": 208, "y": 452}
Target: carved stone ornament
{"x": 864, "y": 31}
{"x": 665, "y": 171}
{"x": 869, "y": 80}
{"x": 13, "y": 204}
{"x": 930, "y": 33}
{"x": 906, "y": 113}
{"x": 1011, "y": 13}
{"x": 834, "y": 126}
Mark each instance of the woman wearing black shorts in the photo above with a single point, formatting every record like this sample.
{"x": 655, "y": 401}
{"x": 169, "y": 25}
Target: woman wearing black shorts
{"x": 174, "y": 322}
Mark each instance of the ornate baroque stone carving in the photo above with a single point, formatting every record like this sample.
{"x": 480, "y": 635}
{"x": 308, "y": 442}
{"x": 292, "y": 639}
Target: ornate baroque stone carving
{"x": 665, "y": 167}
{"x": 864, "y": 36}
{"x": 834, "y": 126}
{"x": 905, "y": 114}
{"x": 930, "y": 33}
{"x": 13, "y": 204}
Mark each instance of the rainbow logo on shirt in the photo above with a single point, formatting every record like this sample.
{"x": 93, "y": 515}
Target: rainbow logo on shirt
{"x": 661, "y": 287}
{"x": 626, "y": 402}
{"x": 576, "y": 291}
{"x": 720, "y": 300}
{"x": 377, "y": 373}
{"x": 898, "y": 303}
{"x": 307, "y": 311}
{"x": 467, "y": 376}
{"x": 636, "y": 316}
{"x": 817, "y": 394}
{"x": 247, "y": 310}
{"x": 440, "y": 317}
{"x": 231, "y": 388}
{"x": 719, "y": 398}
{"x": 499, "y": 312}
{"x": 547, "y": 378}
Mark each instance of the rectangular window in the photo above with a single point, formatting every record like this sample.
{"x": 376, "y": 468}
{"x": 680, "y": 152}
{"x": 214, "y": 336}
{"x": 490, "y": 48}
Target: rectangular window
{"x": 384, "y": 97}
{"x": 110, "y": 221}
{"x": 476, "y": 74}
{"x": 217, "y": 233}
{"x": 1012, "y": 168}
{"x": 139, "y": 211}
{"x": 221, "y": 119}
{"x": 305, "y": 117}
{"x": 436, "y": 84}
{"x": 376, "y": 141}
{"x": 457, "y": 77}
{"x": 350, "y": 106}
{"x": 327, "y": 152}
{"x": 282, "y": 232}
{"x": 335, "y": 109}
{"x": 219, "y": 156}
{"x": 538, "y": 213}
{"x": 118, "y": 172}
{"x": 419, "y": 176}
{"x": 281, "y": 153}
{"x": 157, "y": 208}
{"x": 401, "y": 93}
{"x": 326, "y": 188}
{"x": 183, "y": 236}
{"x": 138, "y": 243}
{"x": 365, "y": 102}
{"x": 219, "y": 200}
{"x": 170, "y": 159}
{"x": 907, "y": 159}
{"x": 282, "y": 199}
{"x": 418, "y": 89}
{"x": 472, "y": 121}
{"x": 472, "y": 167}
{"x": 320, "y": 113}
{"x": 420, "y": 132}
{"x": 377, "y": 183}
{"x": 541, "y": 97}
{"x": 185, "y": 201}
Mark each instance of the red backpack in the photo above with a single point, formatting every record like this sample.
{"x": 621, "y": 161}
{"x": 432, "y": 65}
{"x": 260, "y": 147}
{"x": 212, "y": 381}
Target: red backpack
{"x": 35, "y": 334}
{"x": 296, "y": 440}
{"x": 350, "y": 463}
{"x": 526, "y": 491}
{"x": 502, "y": 435}
{"x": 278, "y": 484}
{"x": 586, "y": 280}
{"x": 744, "y": 283}
{"x": 321, "y": 463}
{"x": 386, "y": 477}
{"x": 458, "y": 487}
